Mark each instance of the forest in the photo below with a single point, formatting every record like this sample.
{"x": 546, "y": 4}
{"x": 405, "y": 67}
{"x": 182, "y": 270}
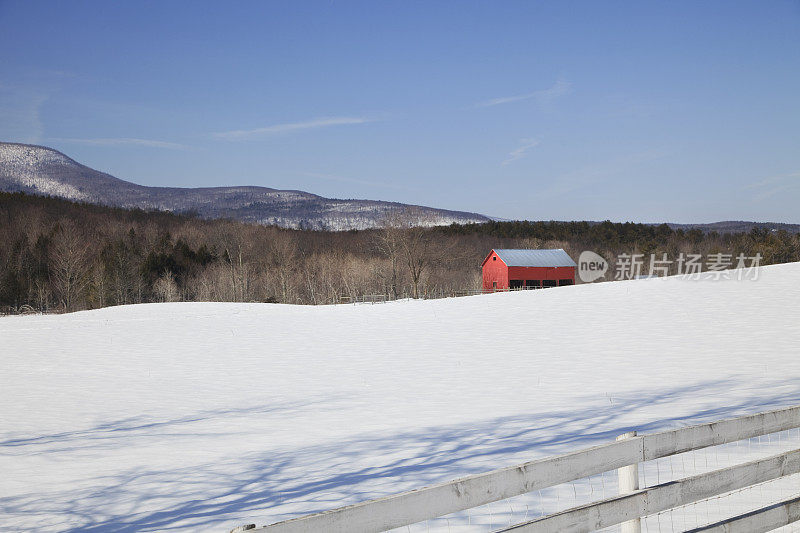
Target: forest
{"x": 57, "y": 255}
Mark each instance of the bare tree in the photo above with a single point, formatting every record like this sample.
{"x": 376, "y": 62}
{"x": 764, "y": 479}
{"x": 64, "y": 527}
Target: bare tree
{"x": 239, "y": 272}
{"x": 70, "y": 266}
{"x": 388, "y": 242}
{"x": 166, "y": 288}
{"x": 406, "y": 236}
{"x": 282, "y": 258}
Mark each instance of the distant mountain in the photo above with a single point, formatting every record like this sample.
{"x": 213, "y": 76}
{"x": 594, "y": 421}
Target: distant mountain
{"x": 727, "y": 226}
{"x": 44, "y": 171}
{"x": 738, "y": 226}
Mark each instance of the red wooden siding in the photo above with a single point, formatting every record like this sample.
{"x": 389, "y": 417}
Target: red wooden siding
{"x": 496, "y": 271}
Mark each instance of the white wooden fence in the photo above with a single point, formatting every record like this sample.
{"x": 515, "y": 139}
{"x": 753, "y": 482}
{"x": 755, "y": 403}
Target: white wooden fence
{"x": 439, "y": 500}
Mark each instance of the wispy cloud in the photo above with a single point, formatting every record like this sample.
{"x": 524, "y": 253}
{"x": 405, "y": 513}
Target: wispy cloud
{"x": 521, "y": 151}
{"x": 559, "y": 88}
{"x": 344, "y": 179}
{"x": 123, "y": 141}
{"x": 598, "y": 172}
{"x": 20, "y": 114}
{"x": 768, "y": 187}
{"x": 236, "y": 135}
{"x": 22, "y": 101}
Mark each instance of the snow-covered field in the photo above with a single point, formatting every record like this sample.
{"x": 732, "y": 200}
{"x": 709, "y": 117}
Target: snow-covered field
{"x": 201, "y": 417}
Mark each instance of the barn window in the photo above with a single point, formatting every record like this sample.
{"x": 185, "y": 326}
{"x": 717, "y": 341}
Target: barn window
{"x": 494, "y": 258}
{"x": 533, "y": 283}
{"x": 566, "y": 282}
{"x": 494, "y": 284}
{"x": 515, "y": 284}
{"x": 548, "y": 283}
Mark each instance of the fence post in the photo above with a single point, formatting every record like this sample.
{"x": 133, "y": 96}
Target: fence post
{"x": 628, "y": 477}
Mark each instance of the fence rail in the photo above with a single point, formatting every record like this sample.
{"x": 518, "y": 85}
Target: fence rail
{"x": 472, "y": 491}
{"x": 766, "y": 519}
{"x": 430, "y": 294}
{"x": 661, "y": 497}
{"x": 26, "y": 309}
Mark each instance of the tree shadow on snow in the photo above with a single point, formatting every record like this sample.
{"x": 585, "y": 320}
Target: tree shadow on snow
{"x": 140, "y": 426}
{"x": 267, "y": 487}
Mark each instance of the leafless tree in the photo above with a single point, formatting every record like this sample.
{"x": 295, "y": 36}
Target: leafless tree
{"x": 166, "y": 288}
{"x": 70, "y": 263}
{"x": 106, "y": 256}
{"x": 388, "y": 242}
{"x": 283, "y": 256}
{"x": 406, "y": 236}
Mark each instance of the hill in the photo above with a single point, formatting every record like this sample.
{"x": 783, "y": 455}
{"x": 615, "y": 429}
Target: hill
{"x": 60, "y": 254}
{"x": 41, "y": 170}
{"x": 738, "y": 226}
{"x": 204, "y": 416}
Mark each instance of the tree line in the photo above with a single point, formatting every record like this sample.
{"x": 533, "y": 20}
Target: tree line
{"x": 66, "y": 256}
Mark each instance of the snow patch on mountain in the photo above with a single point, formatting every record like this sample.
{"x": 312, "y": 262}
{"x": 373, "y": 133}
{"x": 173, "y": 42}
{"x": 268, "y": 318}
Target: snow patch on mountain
{"x": 40, "y": 170}
{"x": 31, "y": 169}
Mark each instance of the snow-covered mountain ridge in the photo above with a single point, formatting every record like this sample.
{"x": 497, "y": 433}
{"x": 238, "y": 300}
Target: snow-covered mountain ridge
{"x": 41, "y": 170}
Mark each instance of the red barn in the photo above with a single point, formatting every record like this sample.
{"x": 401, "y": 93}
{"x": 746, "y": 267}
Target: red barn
{"x": 518, "y": 269}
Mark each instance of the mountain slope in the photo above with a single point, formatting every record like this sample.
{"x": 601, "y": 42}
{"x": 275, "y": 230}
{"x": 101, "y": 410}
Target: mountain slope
{"x": 40, "y": 170}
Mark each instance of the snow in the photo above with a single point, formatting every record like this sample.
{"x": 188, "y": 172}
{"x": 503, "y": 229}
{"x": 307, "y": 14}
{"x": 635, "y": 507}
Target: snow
{"x": 41, "y": 170}
{"x": 204, "y": 416}
{"x": 24, "y": 165}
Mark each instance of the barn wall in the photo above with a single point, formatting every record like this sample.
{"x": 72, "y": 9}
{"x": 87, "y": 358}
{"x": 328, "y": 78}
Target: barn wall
{"x": 541, "y": 273}
{"x": 495, "y": 271}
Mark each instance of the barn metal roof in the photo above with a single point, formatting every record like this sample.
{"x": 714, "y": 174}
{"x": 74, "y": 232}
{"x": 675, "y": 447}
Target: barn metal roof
{"x": 535, "y": 258}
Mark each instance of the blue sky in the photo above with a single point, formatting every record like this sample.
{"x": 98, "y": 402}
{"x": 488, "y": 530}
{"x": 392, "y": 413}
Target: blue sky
{"x": 642, "y": 111}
